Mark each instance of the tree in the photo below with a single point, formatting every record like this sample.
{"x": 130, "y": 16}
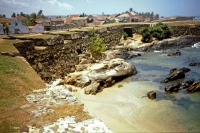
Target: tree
{"x": 131, "y": 9}
{"x": 4, "y": 15}
{"x": 152, "y": 16}
{"x": 13, "y": 15}
{"x": 156, "y": 16}
{"x": 33, "y": 18}
{"x": 97, "y": 46}
{"x": 40, "y": 13}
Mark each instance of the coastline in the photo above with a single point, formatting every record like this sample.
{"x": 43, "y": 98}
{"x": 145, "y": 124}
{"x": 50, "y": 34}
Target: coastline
{"x": 124, "y": 110}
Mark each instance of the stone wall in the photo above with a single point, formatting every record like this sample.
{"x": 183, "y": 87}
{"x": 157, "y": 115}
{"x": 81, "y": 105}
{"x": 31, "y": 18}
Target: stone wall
{"x": 186, "y": 30}
{"x": 55, "y": 58}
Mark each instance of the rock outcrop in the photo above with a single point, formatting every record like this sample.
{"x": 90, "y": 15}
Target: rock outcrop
{"x": 195, "y": 87}
{"x": 102, "y": 75}
{"x": 176, "y": 74}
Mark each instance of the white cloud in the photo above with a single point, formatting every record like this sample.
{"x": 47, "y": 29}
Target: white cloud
{"x": 16, "y": 3}
{"x": 60, "y": 5}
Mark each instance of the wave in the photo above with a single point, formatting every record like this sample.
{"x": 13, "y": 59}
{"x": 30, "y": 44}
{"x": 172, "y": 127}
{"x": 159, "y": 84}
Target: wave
{"x": 196, "y": 45}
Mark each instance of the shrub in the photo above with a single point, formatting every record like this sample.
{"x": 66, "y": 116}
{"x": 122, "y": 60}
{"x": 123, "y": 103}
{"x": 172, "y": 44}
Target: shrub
{"x": 125, "y": 35}
{"x": 160, "y": 31}
{"x": 146, "y": 33}
{"x": 97, "y": 46}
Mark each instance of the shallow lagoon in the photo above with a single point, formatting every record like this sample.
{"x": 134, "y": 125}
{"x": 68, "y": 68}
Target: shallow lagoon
{"x": 125, "y": 109}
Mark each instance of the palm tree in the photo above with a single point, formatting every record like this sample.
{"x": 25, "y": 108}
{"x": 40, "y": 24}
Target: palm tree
{"x": 33, "y": 18}
{"x": 131, "y": 9}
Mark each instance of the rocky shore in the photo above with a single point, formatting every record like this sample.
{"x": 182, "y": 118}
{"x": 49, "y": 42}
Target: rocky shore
{"x": 57, "y": 95}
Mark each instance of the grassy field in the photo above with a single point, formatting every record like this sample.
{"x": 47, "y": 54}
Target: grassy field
{"x": 17, "y": 79}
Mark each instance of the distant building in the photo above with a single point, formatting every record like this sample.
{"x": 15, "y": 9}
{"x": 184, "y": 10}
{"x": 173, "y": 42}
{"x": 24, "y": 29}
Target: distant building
{"x": 45, "y": 22}
{"x": 69, "y": 19}
{"x": 39, "y": 28}
{"x": 57, "y": 24}
{"x": 20, "y": 18}
{"x": 1, "y": 29}
{"x": 17, "y": 27}
{"x": 79, "y": 21}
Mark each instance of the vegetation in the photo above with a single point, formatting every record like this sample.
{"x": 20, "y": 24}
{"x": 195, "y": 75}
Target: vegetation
{"x": 160, "y": 31}
{"x": 16, "y": 80}
{"x": 125, "y": 35}
{"x": 97, "y": 46}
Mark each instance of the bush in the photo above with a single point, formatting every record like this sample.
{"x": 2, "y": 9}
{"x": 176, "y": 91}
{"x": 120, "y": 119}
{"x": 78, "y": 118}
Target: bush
{"x": 146, "y": 33}
{"x": 160, "y": 31}
{"x": 125, "y": 35}
{"x": 97, "y": 46}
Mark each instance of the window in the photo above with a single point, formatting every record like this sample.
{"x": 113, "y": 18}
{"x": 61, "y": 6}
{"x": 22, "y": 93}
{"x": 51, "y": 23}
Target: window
{"x": 16, "y": 24}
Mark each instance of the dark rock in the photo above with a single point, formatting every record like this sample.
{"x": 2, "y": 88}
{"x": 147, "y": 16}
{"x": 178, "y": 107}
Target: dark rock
{"x": 195, "y": 87}
{"x": 172, "y": 70}
{"x": 194, "y": 64}
{"x": 187, "y": 83}
{"x": 151, "y": 95}
{"x": 176, "y": 74}
{"x": 173, "y": 88}
{"x": 178, "y": 53}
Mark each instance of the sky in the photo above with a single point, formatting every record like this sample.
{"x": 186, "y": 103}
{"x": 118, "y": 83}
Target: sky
{"x": 164, "y": 8}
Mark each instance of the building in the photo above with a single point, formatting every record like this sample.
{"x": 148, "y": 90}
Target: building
{"x": 1, "y": 29}
{"x": 39, "y": 28}
{"x": 17, "y": 27}
{"x": 20, "y": 18}
{"x": 44, "y": 22}
{"x": 124, "y": 18}
{"x": 69, "y": 19}
{"x": 56, "y": 24}
{"x": 79, "y": 21}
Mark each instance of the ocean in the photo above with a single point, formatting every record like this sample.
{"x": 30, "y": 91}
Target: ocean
{"x": 125, "y": 109}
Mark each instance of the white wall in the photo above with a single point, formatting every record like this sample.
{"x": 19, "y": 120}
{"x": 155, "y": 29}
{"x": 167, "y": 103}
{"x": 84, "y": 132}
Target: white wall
{"x": 1, "y": 29}
{"x": 37, "y": 29}
{"x": 16, "y": 24}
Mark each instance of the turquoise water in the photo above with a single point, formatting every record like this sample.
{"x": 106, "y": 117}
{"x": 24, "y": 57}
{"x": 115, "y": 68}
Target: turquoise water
{"x": 155, "y": 67}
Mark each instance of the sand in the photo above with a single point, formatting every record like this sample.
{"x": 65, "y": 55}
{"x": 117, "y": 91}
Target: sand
{"x": 124, "y": 110}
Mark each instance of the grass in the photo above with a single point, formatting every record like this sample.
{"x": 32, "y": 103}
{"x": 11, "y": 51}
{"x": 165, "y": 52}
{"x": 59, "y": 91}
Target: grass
{"x": 17, "y": 79}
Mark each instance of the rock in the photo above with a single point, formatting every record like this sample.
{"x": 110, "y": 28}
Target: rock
{"x": 92, "y": 88}
{"x": 173, "y": 88}
{"x": 176, "y": 74}
{"x": 151, "y": 95}
{"x": 178, "y": 53}
{"x": 187, "y": 83}
{"x": 78, "y": 79}
{"x": 195, "y": 87}
{"x": 25, "y": 106}
{"x": 194, "y": 64}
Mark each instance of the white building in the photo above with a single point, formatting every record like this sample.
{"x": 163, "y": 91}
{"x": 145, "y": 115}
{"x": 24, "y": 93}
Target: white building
{"x": 36, "y": 29}
{"x": 17, "y": 27}
{"x": 1, "y": 29}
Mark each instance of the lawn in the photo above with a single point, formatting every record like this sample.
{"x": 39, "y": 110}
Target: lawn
{"x": 17, "y": 79}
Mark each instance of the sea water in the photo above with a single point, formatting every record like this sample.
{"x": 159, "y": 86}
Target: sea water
{"x": 127, "y": 109}
{"x": 153, "y": 67}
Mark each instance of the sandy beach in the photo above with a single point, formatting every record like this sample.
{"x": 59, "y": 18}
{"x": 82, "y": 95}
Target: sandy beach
{"x": 124, "y": 110}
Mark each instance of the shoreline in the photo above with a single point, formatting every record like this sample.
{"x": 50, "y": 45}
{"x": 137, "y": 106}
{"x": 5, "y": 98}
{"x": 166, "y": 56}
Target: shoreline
{"x": 123, "y": 110}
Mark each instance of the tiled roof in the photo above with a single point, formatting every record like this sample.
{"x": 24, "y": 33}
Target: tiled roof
{"x": 56, "y": 19}
{"x": 20, "y": 18}
{"x": 69, "y": 19}
{"x": 5, "y": 20}
{"x": 101, "y": 18}
{"x": 79, "y": 18}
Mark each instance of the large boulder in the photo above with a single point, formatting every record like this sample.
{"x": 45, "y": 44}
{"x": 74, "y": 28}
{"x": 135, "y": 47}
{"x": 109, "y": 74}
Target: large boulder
{"x": 151, "y": 95}
{"x": 102, "y": 75}
{"x": 173, "y": 88}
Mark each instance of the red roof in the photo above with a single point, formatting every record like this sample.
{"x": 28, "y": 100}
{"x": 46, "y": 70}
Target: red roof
{"x": 20, "y": 18}
{"x": 69, "y": 19}
{"x": 56, "y": 19}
